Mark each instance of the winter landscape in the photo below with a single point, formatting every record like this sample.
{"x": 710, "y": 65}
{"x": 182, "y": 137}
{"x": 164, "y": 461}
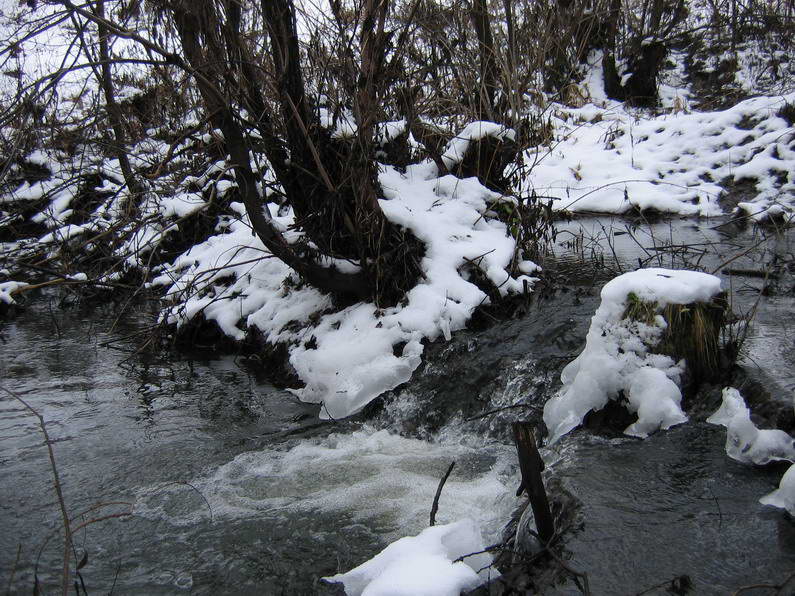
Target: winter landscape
{"x": 291, "y": 290}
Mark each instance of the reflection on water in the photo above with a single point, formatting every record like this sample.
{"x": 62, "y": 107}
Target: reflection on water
{"x": 675, "y": 505}
{"x": 118, "y": 424}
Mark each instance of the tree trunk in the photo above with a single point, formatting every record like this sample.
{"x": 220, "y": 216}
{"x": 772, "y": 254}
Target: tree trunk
{"x": 488, "y": 62}
{"x": 198, "y": 34}
{"x": 330, "y": 183}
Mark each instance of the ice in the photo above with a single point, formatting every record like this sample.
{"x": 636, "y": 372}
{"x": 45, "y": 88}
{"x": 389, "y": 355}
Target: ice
{"x": 655, "y": 398}
{"x": 423, "y": 564}
{"x": 618, "y": 358}
{"x": 784, "y": 495}
{"x": 744, "y": 441}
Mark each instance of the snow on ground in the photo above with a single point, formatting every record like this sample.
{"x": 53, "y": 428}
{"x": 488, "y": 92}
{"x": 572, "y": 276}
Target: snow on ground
{"x": 612, "y": 159}
{"x": 619, "y": 359}
{"x": 474, "y": 131}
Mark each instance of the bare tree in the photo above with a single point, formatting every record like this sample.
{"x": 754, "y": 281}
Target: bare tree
{"x": 330, "y": 183}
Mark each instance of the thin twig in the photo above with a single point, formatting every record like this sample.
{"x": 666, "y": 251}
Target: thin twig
{"x": 14, "y": 569}
{"x": 777, "y": 587}
{"x": 435, "y": 506}
{"x": 58, "y": 491}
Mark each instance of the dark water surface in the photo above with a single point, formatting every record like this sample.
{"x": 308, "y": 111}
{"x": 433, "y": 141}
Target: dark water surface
{"x": 235, "y": 488}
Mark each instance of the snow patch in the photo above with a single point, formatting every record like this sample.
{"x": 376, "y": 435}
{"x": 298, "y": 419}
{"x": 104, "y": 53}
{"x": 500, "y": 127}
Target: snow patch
{"x": 9, "y": 287}
{"x": 607, "y": 159}
{"x": 474, "y": 131}
{"x": 744, "y": 441}
{"x": 423, "y": 564}
{"x": 784, "y": 496}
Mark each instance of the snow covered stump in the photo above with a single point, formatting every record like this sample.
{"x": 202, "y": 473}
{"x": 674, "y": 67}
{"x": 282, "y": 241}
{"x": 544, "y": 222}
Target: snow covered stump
{"x": 653, "y": 328}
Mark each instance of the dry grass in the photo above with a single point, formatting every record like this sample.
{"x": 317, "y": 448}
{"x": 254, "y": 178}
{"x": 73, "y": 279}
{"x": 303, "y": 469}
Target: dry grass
{"x": 692, "y": 332}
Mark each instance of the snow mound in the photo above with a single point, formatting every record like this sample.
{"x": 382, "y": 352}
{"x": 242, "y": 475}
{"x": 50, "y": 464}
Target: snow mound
{"x": 423, "y": 564}
{"x": 763, "y": 213}
{"x": 744, "y": 441}
{"x": 618, "y": 357}
{"x": 784, "y": 496}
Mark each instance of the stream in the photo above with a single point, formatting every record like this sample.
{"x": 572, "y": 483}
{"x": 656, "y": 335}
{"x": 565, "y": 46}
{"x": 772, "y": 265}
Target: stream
{"x": 198, "y": 476}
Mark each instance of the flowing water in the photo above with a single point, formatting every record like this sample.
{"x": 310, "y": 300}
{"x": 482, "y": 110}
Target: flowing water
{"x": 206, "y": 479}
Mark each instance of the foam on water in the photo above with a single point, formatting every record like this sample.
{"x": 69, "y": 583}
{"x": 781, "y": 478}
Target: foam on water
{"x": 369, "y": 476}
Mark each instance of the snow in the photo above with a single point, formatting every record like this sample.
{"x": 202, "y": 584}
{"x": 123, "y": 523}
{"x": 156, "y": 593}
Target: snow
{"x": 474, "y": 131}
{"x": 744, "y": 441}
{"x": 9, "y": 287}
{"x": 182, "y": 205}
{"x": 423, "y": 564}
{"x": 607, "y": 158}
{"x": 784, "y": 496}
{"x": 618, "y": 358}
{"x": 763, "y": 213}
{"x": 656, "y": 400}
{"x": 349, "y": 357}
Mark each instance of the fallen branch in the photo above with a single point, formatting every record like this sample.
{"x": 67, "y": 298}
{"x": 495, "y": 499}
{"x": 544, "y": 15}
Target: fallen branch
{"x": 750, "y": 273}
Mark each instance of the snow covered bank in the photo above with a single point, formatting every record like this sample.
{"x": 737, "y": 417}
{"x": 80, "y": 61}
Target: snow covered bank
{"x": 348, "y": 357}
{"x": 610, "y": 159}
{"x": 619, "y": 358}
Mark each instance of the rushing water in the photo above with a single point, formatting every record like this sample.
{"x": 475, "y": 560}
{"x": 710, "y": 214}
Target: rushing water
{"x": 229, "y": 485}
